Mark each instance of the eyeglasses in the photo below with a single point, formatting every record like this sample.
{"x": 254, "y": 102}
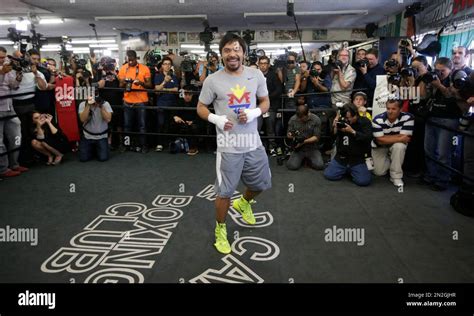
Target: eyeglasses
{"x": 290, "y": 62}
{"x": 263, "y": 63}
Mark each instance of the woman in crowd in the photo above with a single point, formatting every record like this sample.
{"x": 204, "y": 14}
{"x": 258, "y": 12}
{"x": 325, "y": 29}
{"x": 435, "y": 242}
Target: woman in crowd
{"x": 47, "y": 139}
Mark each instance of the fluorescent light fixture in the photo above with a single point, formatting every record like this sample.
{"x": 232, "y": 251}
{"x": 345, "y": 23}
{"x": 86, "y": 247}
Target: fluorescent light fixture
{"x": 104, "y": 45}
{"x": 281, "y": 45}
{"x": 214, "y": 46}
{"x": 151, "y": 17}
{"x": 198, "y": 52}
{"x": 339, "y": 12}
{"x": 51, "y": 21}
{"x": 6, "y": 43}
{"x": 5, "y": 22}
{"x": 91, "y": 41}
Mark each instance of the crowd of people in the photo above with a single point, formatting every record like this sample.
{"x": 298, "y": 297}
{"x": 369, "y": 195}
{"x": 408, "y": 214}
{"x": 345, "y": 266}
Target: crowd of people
{"x": 320, "y": 113}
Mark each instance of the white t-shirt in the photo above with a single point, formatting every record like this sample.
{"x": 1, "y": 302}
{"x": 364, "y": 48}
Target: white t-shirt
{"x": 229, "y": 94}
{"x": 28, "y": 84}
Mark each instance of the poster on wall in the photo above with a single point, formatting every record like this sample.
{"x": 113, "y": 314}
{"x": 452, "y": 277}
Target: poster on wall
{"x": 159, "y": 38}
{"x": 264, "y": 36}
{"x": 358, "y": 34}
{"x": 192, "y": 37}
{"x": 321, "y": 34}
{"x": 135, "y": 40}
{"x": 172, "y": 38}
{"x": 285, "y": 35}
{"x": 182, "y": 37}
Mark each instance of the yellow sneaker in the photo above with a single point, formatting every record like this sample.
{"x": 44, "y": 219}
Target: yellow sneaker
{"x": 244, "y": 208}
{"x": 222, "y": 244}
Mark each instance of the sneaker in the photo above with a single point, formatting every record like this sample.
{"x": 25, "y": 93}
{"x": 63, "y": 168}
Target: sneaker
{"x": 144, "y": 150}
{"x": 9, "y": 173}
{"x": 138, "y": 149}
{"x": 397, "y": 182}
{"x": 244, "y": 208}
{"x": 222, "y": 244}
{"x": 20, "y": 169}
{"x": 273, "y": 152}
{"x": 192, "y": 152}
{"x": 159, "y": 148}
{"x": 279, "y": 151}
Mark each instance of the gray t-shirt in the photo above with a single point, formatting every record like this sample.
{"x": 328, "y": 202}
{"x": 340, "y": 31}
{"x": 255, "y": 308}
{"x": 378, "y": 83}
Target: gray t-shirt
{"x": 96, "y": 123}
{"x": 229, "y": 94}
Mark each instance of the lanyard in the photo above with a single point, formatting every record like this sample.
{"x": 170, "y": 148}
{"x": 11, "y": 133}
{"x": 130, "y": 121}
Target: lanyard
{"x": 136, "y": 73}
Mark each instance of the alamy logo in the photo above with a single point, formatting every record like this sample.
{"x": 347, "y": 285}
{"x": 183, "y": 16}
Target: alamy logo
{"x": 9, "y": 234}
{"x": 335, "y": 234}
{"x": 243, "y": 140}
{"x": 37, "y": 299}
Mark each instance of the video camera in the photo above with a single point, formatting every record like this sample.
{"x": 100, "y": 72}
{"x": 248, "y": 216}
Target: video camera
{"x": 462, "y": 82}
{"x": 20, "y": 64}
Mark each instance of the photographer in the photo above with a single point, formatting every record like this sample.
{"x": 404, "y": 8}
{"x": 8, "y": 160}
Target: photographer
{"x": 31, "y": 81}
{"x": 370, "y": 69}
{"x": 319, "y": 81}
{"x": 10, "y": 125}
{"x": 392, "y": 131}
{"x": 304, "y": 67}
{"x": 438, "y": 141}
{"x": 134, "y": 76}
{"x": 95, "y": 115}
{"x": 44, "y": 99}
{"x": 186, "y": 121}
{"x": 359, "y": 82}
{"x": 343, "y": 79}
{"x": 304, "y": 129}
{"x": 354, "y": 134}
{"x": 405, "y": 52}
{"x": 210, "y": 66}
{"x": 274, "y": 88}
{"x": 165, "y": 81}
{"x": 81, "y": 74}
{"x": 107, "y": 78}
{"x": 47, "y": 139}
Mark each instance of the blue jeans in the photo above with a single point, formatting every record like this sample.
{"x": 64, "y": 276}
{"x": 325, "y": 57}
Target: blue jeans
{"x": 87, "y": 147}
{"x": 360, "y": 174}
{"x": 130, "y": 114}
{"x": 439, "y": 145}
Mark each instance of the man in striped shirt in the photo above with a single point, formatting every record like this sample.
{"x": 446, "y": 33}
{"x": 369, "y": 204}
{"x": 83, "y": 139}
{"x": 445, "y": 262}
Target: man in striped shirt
{"x": 392, "y": 132}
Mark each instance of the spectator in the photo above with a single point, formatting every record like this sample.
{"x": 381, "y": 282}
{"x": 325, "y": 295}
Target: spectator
{"x": 95, "y": 115}
{"x": 438, "y": 141}
{"x": 360, "y": 101}
{"x": 319, "y": 81}
{"x": 392, "y": 132}
{"x": 166, "y": 82}
{"x": 304, "y": 129}
{"x": 43, "y": 98}
{"x": 460, "y": 59}
{"x": 370, "y": 73}
{"x": 304, "y": 67}
{"x": 352, "y": 142}
{"x": 210, "y": 66}
{"x": 186, "y": 121}
{"x": 10, "y": 125}
{"x": 47, "y": 139}
{"x": 343, "y": 79}
{"x": 274, "y": 93}
{"x": 133, "y": 75}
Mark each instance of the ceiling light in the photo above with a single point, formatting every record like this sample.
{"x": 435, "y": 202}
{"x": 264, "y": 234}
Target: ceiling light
{"x": 281, "y": 45}
{"x": 6, "y": 42}
{"x": 90, "y": 41}
{"x": 339, "y": 12}
{"x": 51, "y": 21}
{"x": 151, "y": 17}
{"x": 104, "y": 45}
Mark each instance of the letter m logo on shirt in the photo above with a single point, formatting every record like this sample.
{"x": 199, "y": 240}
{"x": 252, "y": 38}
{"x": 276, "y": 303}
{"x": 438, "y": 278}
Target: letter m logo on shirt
{"x": 239, "y": 99}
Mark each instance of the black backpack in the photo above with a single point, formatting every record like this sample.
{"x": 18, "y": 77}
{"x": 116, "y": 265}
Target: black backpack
{"x": 463, "y": 202}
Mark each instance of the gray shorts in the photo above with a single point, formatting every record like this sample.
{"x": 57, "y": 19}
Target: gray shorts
{"x": 252, "y": 167}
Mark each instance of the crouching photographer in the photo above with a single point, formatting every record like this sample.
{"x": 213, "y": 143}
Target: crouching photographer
{"x": 95, "y": 115}
{"x": 354, "y": 134}
{"x": 304, "y": 131}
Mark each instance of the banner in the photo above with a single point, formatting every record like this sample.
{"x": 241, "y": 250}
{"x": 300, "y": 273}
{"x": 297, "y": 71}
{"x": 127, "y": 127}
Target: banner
{"x": 437, "y": 13}
{"x": 66, "y": 107}
{"x": 381, "y": 95}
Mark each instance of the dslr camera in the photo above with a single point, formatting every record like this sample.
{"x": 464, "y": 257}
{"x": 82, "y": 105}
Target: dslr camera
{"x": 298, "y": 138}
{"x": 128, "y": 84}
{"x": 404, "y": 43}
{"x": 362, "y": 63}
{"x": 408, "y": 72}
{"x": 394, "y": 79}
{"x": 429, "y": 77}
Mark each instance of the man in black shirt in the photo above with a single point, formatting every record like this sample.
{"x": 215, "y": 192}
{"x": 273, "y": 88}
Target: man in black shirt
{"x": 304, "y": 129}
{"x": 274, "y": 87}
{"x": 354, "y": 135}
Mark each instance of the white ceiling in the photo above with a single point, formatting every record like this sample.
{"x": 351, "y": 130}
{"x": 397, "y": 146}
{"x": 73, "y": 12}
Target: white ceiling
{"x": 225, "y": 14}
